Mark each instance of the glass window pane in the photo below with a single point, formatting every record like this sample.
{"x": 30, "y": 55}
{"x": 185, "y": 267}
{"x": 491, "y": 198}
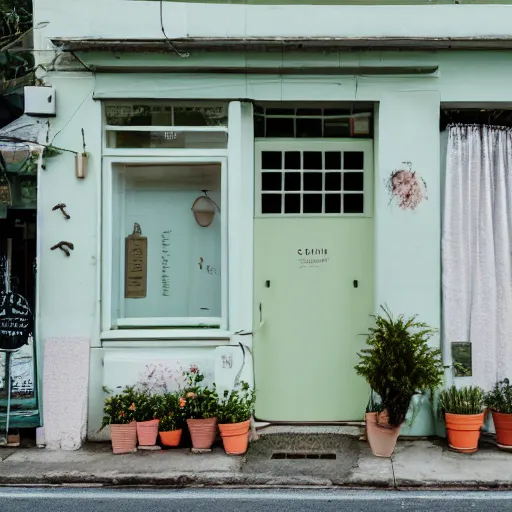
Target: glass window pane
{"x": 312, "y": 181}
{"x": 312, "y": 160}
{"x": 292, "y": 203}
{"x": 279, "y": 127}
{"x": 167, "y": 139}
{"x": 309, "y": 128}
{"x": 270, "y": 203}
{"x": 312, "y": 203}
{"x": 333, "y": 181}
{"x": 183, "y": 258}
{"x": 165, "y": 113}
{"x": 271, "y": 160}
{"x": 332, "y": 203}
{"x": 353, "y": 160}
{"x": 353, "y": 181}
{"x": 292, "y": 181}
{"x": 292, "y": 160}
{"x": 353, "y": 203}
{"x": 271, "y": 181}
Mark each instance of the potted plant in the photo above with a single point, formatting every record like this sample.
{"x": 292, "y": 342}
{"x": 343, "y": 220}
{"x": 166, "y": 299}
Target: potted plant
{"x": 171, "y": 419}
{"x": 398, "y": 364}
{"x": 145, "y": 413}
{"x": 499, "y": 402}
{"x": 234, "y": 416}
{"x": 200, "y": 403}
{"x": 119, "y": 414}
{"x": 463, "y": 415}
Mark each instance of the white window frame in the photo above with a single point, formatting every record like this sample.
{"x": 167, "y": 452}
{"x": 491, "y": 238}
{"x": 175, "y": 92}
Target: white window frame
{"x": 193, "y": 323}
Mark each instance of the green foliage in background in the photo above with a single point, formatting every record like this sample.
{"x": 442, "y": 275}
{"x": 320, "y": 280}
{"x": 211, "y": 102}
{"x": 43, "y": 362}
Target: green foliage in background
{"x": 499, "y": 399}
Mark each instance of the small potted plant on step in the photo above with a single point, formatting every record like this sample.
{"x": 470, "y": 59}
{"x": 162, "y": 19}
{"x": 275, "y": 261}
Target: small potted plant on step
{"x": 397, "y": 365}
{"x": 119, "y": 415}
{"x": 463, "y": 415}
{"x": 171, "y": 416}
{"x": 201, "y": 404}
{"x": 146, "y": 410}
{"x": 234, "y": 416}
{"x": 499, "y": 402}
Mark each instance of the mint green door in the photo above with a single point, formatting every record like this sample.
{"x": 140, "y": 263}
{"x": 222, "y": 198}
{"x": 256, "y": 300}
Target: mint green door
{"x": 313, "y": 288}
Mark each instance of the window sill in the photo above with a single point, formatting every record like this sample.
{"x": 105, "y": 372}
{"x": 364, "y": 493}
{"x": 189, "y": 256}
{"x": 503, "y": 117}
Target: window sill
{"x": 165, "y": 334}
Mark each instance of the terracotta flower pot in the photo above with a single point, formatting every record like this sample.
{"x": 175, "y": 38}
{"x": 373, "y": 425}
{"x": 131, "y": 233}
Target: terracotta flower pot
{"x": 147, "y": 432}
{"x": 171, "y": 438}
{"x": 503, "y": 426}
{"x": 381, "y": 436}
{"x": 124, "y": 437}
{"x": 203, "y": 432}
{"x": 235, "y": 437}
{"x": 463, "y": 431}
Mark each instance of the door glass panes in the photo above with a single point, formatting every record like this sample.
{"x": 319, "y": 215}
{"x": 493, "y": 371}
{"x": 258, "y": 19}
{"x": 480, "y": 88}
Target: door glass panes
{"x": 312, "y": 182}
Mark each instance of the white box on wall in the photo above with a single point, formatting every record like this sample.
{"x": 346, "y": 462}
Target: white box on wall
{"x": 40, "y": 101}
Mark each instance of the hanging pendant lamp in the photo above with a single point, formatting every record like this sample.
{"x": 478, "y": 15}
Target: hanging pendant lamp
{"x": 204, "y": 209}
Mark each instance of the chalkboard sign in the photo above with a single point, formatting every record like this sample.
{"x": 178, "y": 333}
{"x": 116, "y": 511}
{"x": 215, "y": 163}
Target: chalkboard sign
{"x": 16, "y": 321}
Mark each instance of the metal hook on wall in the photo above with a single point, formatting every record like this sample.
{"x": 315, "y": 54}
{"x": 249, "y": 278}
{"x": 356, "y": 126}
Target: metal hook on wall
{"x": 64, "y": 246}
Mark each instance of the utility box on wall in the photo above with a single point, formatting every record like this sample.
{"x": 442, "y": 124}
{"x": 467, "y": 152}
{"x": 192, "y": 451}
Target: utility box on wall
{"x": 40, "y": 101}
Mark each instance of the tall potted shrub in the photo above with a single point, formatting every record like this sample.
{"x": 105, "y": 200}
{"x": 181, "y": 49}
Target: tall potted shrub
{"x": 119, "y": 415}
{"x": 463, "y": 414}
{"x": 146, "y": 417}
{"x": 171, "y": 414}
{"x": 499, "y": 402}
{"x": 201, "y": 404}
{"x": 234, "y": 415}
{"x": 397, "y": 364}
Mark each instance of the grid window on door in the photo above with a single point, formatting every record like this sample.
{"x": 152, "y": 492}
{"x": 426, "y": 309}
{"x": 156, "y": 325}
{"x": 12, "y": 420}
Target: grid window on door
{"x": 312, "y": 182}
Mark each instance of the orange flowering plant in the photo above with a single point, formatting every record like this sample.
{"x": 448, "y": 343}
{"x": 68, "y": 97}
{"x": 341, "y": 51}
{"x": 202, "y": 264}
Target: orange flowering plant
{"x": 119, "y": 408}
{"x": 198, "y": 400}
{"x": 170, "y": 412}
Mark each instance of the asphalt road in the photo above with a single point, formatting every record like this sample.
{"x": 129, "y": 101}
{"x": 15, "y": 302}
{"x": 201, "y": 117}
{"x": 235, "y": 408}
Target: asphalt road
{"x": 295, "y": 500}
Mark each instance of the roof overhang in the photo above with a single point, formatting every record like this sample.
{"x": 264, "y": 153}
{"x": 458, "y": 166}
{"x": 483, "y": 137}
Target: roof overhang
{"x": 280, "y": 44}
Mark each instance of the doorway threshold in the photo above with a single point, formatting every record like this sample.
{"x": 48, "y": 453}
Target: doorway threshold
{"x": 352, "y": 429}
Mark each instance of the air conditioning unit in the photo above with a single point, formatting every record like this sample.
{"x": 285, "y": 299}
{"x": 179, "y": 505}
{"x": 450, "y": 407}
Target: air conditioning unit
{"x": 40, "y": 101}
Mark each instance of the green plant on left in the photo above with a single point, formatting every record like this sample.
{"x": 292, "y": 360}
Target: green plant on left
{"x": 399, "y": 363}
{"x": 237, "y": 406}
{"x": 119, "y": 408}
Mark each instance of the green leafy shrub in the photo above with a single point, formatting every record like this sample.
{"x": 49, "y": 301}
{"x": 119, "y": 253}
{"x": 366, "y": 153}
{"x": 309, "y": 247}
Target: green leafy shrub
{"x": 499, "y": 399}
{"x": 199, "y": 401}
{"x": 399, "y": 363}
{"x": 237, "y": 406}
{"x": 146, "y": 406}
{"x": 170, "y": 413}
{"x": 119, "y": 408}
{"x": 467, "y": 400}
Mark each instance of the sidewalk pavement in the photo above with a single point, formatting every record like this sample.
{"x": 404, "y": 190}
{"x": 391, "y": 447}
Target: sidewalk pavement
{"x": 420, "y": 463}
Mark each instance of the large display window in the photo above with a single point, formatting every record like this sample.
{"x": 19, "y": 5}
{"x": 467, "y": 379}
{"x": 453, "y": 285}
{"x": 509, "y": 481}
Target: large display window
{"x": 165, "y": 218}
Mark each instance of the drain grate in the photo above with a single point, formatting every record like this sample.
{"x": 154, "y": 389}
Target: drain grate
{"x": 305, "y": 455}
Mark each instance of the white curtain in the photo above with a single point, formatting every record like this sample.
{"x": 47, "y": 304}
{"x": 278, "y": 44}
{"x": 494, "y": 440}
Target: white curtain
{"x": 477, "y": 248}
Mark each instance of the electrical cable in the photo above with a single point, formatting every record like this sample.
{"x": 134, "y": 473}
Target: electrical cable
{"x": 184, "y": 55}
